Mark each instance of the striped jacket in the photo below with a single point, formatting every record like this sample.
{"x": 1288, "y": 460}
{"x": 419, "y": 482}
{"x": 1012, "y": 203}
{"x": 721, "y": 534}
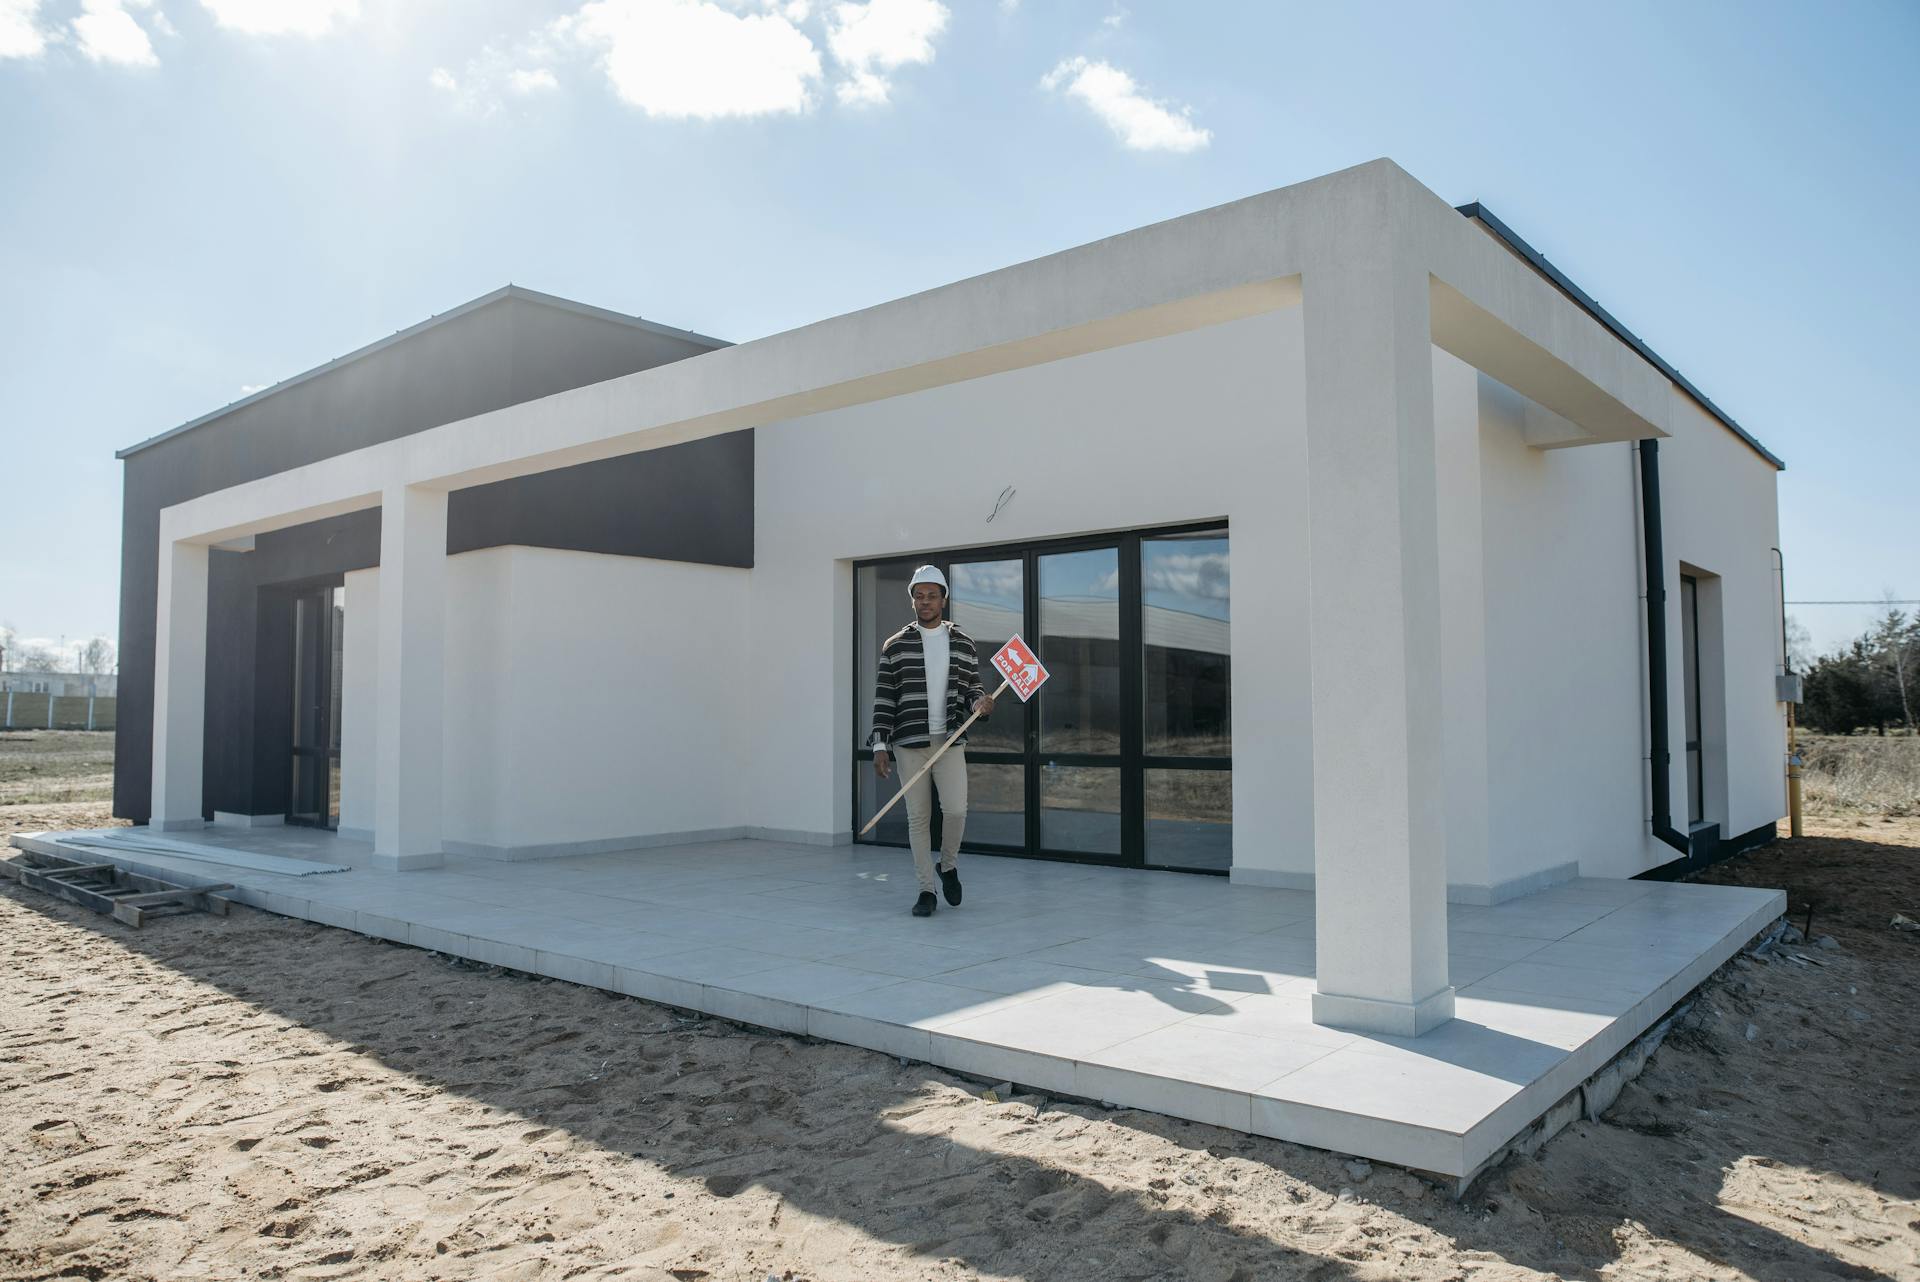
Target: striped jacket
{"x": 900, "y": 693}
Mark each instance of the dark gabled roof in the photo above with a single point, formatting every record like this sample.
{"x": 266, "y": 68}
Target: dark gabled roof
{"x": 1539, "y": 263}
{"x": 505, "y": 292}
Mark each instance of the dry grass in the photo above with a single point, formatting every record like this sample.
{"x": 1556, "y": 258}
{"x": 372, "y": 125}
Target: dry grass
{"x": 1861, "y": 774}
{"x": 48, "y": 767}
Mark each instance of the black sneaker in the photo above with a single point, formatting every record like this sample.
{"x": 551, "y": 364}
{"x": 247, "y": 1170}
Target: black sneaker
{"x": 924, "y": 906}
{"x": 950, "y": 882}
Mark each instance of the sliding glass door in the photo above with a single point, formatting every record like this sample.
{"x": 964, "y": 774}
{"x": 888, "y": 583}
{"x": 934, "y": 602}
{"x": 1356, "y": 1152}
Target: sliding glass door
{"x": 1125, "y": 755}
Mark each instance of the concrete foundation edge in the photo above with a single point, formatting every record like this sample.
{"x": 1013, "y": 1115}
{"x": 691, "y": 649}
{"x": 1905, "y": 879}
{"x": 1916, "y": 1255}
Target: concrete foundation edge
{"x": 632, "y": 841}
{"x": 227, "y": 819}
{"x": 1457, "y": 893}
{"x": 1393, "y": 1019}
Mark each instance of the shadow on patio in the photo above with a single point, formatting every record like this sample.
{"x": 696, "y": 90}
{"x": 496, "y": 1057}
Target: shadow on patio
{"x": 477, "y": 1090}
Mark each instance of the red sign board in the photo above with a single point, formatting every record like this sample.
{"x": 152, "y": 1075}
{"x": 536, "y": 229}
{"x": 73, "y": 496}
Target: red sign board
{"x": 1021, "y": 667}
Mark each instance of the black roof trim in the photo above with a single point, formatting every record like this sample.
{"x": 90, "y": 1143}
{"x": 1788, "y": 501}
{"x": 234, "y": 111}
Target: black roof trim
{"x": 439, "y": 318}
{"x": 1625, "y": 335}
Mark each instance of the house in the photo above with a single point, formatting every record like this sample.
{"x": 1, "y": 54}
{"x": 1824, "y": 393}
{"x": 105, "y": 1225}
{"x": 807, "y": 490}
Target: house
{"x": 1366, "y": 552}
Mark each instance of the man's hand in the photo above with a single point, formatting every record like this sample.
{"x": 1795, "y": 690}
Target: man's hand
{"x": 985, "y": 706}
{"x": 882, "y": 763}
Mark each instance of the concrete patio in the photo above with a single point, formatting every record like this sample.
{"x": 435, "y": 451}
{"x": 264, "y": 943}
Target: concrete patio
{"x": 1180, "y": 994}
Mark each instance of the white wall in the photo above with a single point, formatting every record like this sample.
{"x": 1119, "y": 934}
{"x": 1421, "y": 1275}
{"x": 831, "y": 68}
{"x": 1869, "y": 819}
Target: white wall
{"x": 1565, "y": 655}
{"x": 1565, "y": 638}
{"x": 648, "y": 738}
{"x": 1186, "y": 428}
{"x": 722, "y": 699}
{"x": 359, "y": 695}
{"x": 1722, "y": 517}
{"x": 633, "y": 731}
{"x": 1543, "y": 673}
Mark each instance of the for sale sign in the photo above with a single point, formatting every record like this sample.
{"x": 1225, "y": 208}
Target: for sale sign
{"x": 1021, "y": 667}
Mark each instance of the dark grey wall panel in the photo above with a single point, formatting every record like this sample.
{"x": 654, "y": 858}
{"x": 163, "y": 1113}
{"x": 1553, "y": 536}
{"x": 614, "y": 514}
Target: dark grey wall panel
{"x": 505, "y": 352}
{"x": 691, "y": 502}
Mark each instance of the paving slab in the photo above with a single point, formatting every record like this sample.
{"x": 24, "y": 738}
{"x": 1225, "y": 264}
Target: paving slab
{"x": 1181, "y": 994}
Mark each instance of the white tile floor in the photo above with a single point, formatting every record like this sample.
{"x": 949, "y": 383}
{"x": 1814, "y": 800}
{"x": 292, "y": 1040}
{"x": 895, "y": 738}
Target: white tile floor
{"x": 1181, "y": 994}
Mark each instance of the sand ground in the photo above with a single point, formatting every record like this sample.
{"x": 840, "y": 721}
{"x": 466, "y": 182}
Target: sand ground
{"x": 254, "y": 1097}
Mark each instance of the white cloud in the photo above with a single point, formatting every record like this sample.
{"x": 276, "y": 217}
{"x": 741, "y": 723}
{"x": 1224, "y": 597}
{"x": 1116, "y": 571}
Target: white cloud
{"x": 880, "y": 36}
{"x": 281, "y": 17}
{"x": 690, "y": 59}
{"x": 1141, "y": 123}
{"x": 525, "y": 81}
{"x": 248, "y": 389}
{"x": 20, "y": 33}
{"x": 108, "y": 33}
{"x": 1201, "y": 576}
{"x": 483, "y": 86}
{"x": 163, "y": 25}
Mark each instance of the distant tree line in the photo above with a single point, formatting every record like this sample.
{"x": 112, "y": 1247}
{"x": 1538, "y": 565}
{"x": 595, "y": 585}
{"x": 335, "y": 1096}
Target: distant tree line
{"x": 92, "y": 658}
{"x": 1871, "y": 684}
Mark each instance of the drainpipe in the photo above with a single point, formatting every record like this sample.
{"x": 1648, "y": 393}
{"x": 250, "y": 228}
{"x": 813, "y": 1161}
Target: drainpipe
{"x": 1660, "y": 755}
{"x": 1794, "y": 761}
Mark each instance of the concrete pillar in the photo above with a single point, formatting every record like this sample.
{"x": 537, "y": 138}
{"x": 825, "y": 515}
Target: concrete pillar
{"x": 412, "y": 624}
{"x": 179, "y": 687}
{"x": 1373, "y": 604}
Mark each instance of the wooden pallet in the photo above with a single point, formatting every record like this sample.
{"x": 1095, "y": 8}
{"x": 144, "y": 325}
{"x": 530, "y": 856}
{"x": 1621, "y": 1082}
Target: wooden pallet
{"x": 107, "y": 888}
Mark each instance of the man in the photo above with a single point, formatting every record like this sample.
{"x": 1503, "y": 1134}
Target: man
{"x": 929, "y": 681}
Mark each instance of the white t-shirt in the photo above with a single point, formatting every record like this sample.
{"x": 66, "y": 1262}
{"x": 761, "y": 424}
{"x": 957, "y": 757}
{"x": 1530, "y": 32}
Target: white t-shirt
{"x": 939, "y": 654}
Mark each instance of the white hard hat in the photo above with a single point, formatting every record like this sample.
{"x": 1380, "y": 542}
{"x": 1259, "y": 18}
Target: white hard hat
{"x": 927, "y": 574}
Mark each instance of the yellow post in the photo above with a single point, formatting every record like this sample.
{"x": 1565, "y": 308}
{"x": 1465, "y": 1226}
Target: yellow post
{"x": 1793, "y": 776}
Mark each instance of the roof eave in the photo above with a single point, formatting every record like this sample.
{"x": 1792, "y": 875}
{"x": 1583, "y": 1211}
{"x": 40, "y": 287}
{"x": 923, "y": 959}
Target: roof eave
{"x": 1539, "y": 263}
{"x": 439, "y": 318}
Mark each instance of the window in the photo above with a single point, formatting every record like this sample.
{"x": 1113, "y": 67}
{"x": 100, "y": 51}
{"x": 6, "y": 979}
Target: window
{"x": 1126, "y": 754}
{"x": 1690, "y": 669}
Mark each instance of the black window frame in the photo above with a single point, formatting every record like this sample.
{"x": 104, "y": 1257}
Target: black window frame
{"x": 1132, "y": 760}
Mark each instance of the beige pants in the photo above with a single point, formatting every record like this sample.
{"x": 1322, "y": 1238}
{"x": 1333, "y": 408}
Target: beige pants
{"x": 949, "y": 774}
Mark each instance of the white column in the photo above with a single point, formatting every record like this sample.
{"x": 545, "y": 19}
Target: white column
{"x": 412, "y": 623}
{"x": 1380, "y": 860}
{"x": 179, "y": 687}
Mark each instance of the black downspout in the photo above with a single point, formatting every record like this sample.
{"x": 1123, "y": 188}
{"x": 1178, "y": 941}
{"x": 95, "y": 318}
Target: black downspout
{"x": 1660, "y": 748}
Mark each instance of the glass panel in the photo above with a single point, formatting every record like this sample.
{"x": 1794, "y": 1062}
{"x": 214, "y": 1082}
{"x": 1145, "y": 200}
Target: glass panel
{"x": 881, "y": 608}
{"x": 996, "y": 806}
{"x": 1080, "y": 808}
{"x": 1080, "y": 644}
{"x": 1690, "y": 690}
{"x": 1185, "y": 617}
{"x": 1190, "y": 818}
{"x": 988, "y": 603}
{"x": 305, "y": 709}
{"x": 1695, "y": 790}
{"x": 1690, "y": 654}
{"x": 336, "y": 684}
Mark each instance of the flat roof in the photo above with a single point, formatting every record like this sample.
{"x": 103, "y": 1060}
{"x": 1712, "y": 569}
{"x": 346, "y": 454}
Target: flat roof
{"x": 1526, "y": 252}
{"x": 439, "y": 318}
{"x": 1538, "y": 261}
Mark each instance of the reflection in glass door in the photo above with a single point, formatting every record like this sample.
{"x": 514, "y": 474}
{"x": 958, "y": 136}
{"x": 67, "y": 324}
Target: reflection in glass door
{"x": 988, "y": 600}
{"x": 1080, "y": 706}
{"x": 1187, "y": 748}
{"x": 318, "y": 635}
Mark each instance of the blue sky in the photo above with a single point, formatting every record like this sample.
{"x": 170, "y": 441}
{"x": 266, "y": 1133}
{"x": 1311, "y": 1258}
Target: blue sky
{"x": 199, "y": 197}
